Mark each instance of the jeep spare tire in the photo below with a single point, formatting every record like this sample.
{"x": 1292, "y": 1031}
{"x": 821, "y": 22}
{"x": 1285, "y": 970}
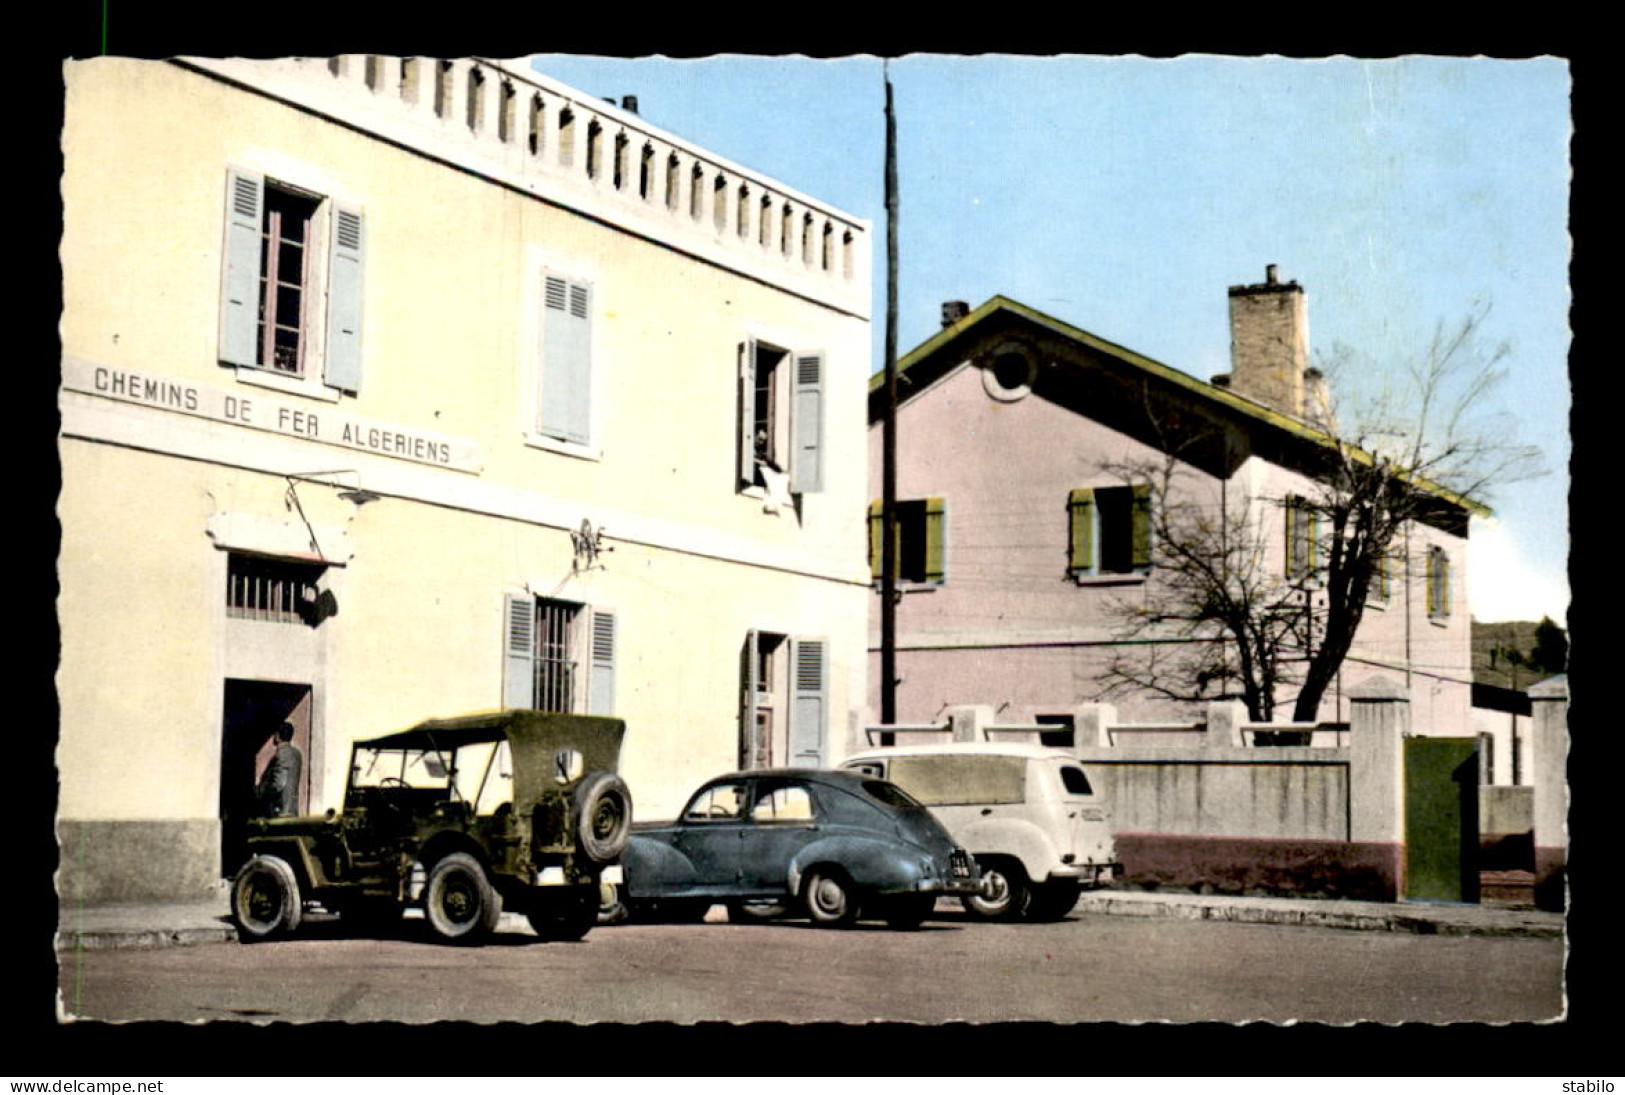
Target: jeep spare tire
{"x": 603, "y": 817}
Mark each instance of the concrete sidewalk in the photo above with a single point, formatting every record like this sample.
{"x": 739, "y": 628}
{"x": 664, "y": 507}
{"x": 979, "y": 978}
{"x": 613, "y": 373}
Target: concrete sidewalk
{"x": 108, "y": 927}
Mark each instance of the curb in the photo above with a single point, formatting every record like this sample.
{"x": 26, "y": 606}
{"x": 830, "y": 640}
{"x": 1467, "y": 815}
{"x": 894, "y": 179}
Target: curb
{"x": 141, "y": 939}
{"x": 1397, "y": 921}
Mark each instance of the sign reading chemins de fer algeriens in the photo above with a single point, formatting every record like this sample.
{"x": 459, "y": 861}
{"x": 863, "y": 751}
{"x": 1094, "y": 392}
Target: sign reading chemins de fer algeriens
{"x": 250, "y": 408}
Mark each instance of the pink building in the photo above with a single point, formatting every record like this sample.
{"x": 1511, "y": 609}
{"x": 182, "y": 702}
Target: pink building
{"x": 1021, "y": 538}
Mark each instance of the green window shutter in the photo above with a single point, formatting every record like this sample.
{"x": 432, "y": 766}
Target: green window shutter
{"x": 601, "y": 685}
{"x": 1142, "y": 526}
{"x": 519, "y": 650}
{"x": 809, "y": 701}
{"x": 342, "y": 367}
{"x": 747, "y": 412}
{"x": 1432, "y": 583}
{"x": 240, "y": 270}
{"x": 877, "y": 526}
{"x": 566, "y": 398}
{"x": 807, "y": 425}
{"x": 1081, "y": 546}
{"x": 936, "y": 540}
{"x": 1294, "y": 537}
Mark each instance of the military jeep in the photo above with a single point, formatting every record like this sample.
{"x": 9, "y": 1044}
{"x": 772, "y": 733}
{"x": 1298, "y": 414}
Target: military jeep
{"x": 464, "y": 816}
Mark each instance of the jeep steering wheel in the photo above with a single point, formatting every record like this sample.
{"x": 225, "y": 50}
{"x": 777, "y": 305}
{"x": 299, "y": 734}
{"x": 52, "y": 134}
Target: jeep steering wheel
{"x": 394, "y": 781}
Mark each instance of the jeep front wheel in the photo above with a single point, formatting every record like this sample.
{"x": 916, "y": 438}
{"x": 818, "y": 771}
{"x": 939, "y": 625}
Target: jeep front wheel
{"x": 265, "y": 899}
{"x": 459, "y": 902}
{"x": 603, "y": 813}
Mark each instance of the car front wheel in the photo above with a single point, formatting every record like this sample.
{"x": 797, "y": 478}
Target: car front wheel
{"x": 265, "y": 899}
{"x": 1004, "y": 894}
{"x": 829, "y": 898}
{"x": 459, "y": 902}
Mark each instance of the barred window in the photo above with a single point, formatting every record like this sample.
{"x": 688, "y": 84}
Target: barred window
{"x": 274, "y": 590}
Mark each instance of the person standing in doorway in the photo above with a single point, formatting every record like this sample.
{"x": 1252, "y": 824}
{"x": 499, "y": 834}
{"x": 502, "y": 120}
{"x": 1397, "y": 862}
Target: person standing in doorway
{"x": 278, "y": 789}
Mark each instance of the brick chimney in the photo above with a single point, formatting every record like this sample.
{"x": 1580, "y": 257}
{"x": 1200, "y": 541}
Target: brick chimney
{"x": 1269, "y": 342}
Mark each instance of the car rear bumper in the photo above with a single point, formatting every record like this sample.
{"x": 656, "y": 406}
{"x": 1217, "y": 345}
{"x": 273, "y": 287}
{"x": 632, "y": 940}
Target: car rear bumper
{"x": 1089, "y": 874}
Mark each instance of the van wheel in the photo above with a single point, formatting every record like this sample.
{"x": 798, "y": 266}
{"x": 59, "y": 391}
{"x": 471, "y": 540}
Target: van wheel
{"x": 1005, "y": 893}
{"x": 1054, "y": 899}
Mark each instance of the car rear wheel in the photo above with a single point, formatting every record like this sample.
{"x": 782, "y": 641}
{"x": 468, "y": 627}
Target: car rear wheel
{"x": 908, "y": 912}
{"x": 564, "y": 918}
{"x": 459, "y": 902}
{"x": 603, "y": 813}
{"x": 829, "y": 898}
{"x": 1052, "y": 900}
{"x": 1005, "y": 893}
{"x": 265, "y": 899}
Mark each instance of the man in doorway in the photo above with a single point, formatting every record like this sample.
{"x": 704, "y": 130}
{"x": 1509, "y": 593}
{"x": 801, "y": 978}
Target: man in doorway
{"x": 278, "y": 790}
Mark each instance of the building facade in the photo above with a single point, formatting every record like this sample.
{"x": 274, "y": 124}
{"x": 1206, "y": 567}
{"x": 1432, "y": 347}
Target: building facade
{"x": 399, "y": 388}
{"x": 1025, "y": 525}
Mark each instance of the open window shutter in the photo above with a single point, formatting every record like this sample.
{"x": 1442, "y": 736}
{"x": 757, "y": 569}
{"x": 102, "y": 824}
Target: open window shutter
{"x": 877, "y": 528}
{"x": 807, "y": 425}
{"x": 936, "y": 540}
{"x": 747, "y": 700}
{"x": 343, "y": 356}
{"x": 747, "y": 412}
{"x": 809, "y": 701}
{"x": 601, "y": 689}
{"x": 1081, "y": 554}
{"x": 1142, "y": 526}
{"x": 519, "y": 647}
{"x": 566, "y": 411}
{"x": 240, "y": 273}
{"x": 1294, "y": 538}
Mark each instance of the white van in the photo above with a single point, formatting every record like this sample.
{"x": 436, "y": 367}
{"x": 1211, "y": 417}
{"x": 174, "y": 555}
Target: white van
{"x": 1031, "y": 816}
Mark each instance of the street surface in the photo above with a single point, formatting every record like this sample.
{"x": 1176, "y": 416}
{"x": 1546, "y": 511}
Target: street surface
{"x": 1084, "y": 969}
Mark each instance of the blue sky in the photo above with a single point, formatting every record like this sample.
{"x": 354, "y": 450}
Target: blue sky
{"x": 1125, "y": 195}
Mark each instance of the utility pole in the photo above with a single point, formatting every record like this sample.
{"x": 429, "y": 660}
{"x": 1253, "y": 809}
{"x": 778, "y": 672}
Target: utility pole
{"x": 888, "y": 460}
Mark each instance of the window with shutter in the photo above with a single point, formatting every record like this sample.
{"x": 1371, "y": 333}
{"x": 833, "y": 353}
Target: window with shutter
{"x": 1303, "y": 548}
{"x": 547, "y": 644}
{"x": 920, "y": 532}
{"x": 280, "y": 258}
{"x": 781, "y": 417}
{"x": 1109, "y": 531}
{"x": 1438, "y": 584}
{"x": 564, "y": 396}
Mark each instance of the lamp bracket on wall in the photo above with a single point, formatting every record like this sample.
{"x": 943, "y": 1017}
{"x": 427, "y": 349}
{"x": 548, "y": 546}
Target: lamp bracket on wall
{"x": 588, "y": 544}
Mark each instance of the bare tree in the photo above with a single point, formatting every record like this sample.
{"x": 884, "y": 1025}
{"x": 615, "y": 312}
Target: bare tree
{"x": 1220, "y": 615}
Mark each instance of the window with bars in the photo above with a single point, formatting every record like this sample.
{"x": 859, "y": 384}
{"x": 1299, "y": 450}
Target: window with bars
{"x": 560, "y": 656}
{"x": 272, "y": 590}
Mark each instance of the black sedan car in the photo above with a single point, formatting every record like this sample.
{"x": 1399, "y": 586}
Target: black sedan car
{"x": 834, "y": 844}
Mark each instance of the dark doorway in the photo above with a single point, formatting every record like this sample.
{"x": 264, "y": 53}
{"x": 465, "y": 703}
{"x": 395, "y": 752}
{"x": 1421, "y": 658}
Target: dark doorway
{"x": 254, "y": 711}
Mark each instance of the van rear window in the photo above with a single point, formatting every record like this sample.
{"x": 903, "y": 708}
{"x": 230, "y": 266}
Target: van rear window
{"x": 961, "y": 781}
{"x": 1074, "y": 780}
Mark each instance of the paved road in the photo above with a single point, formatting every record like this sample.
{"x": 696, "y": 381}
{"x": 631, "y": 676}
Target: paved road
{"x": 1088, "y": 968}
